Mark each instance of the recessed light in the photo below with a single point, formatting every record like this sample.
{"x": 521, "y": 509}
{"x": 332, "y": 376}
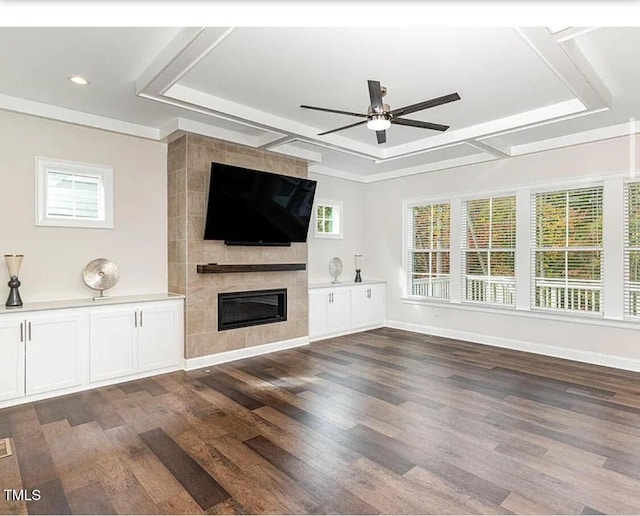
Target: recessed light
{"x": 78, "y": 79}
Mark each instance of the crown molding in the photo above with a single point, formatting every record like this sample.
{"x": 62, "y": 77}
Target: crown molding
{"x": 42, "y": 110}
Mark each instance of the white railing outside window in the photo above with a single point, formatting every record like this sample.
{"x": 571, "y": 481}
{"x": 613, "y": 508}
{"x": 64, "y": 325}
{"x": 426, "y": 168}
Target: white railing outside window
{"x": 495, "y": 289}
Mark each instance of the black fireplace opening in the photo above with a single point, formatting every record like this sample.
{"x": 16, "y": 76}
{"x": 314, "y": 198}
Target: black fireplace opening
{"x": 241, "y": 309}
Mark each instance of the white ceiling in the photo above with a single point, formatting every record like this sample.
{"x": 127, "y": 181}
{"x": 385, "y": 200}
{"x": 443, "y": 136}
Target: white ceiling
{"x": 523, "y": 90}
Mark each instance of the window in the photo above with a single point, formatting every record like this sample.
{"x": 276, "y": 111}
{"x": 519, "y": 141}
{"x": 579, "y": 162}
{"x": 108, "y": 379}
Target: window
{"x": 428, "y": 238}
{"x": 73, "y": 194}
{"x": 632, "y": 250}
{"x": 567, "y": 250}
{"x": 489, "y": 250}
{"x": 328, "y": 223}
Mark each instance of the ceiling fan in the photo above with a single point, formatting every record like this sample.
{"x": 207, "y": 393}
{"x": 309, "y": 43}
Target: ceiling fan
{"x": 380, "y": 116}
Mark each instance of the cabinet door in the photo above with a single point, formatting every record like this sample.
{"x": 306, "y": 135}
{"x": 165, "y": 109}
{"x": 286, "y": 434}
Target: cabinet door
{"x": 11, "y": 358}
{"x": 367, "y": 306}
{"x": 54, "y": 351}
{"x": 339, "y": 317}
{"x": 318, "y": 313}
{"x": 113, "y": 343}
{"x": 158, "y": 339}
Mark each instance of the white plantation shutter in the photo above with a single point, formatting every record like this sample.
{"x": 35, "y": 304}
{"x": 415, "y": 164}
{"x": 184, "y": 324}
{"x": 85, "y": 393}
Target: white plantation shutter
{"x": 73, "y": 196}
{"x": 428, "y": 250}
{"x": 567, "y": 250}
{"x": 632, "y": 249}
{"x": 488, "y": 257}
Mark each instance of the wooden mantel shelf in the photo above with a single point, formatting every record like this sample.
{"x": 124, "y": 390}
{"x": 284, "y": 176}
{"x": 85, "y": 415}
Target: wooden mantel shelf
{"x": 214, "y": 268}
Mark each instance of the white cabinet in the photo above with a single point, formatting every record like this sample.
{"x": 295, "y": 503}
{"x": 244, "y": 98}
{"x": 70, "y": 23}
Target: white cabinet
{"x": 55, "y": 344}
{"x": 55, "y": 348}
{"x": 344, "y": 308}
{"x": 367, "y": 306}
{"x": 134, "y": 338}
{"x": 158, "y": 334}
{"x": 328, "y": 311}
{"x": 41, "y": 352}
{"x": 11, "y": 358}
{"x": 113, "y": 336}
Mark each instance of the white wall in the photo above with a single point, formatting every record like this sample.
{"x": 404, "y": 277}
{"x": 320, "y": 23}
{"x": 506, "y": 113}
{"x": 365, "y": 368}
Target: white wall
{"x": 55, "y": 257}
{"x": 605, "y": 342}
{"x": 321, "y": 250}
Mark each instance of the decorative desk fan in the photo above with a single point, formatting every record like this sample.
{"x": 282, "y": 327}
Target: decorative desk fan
{"x": 100, "y": 274}
{"x": 335, "y": 268}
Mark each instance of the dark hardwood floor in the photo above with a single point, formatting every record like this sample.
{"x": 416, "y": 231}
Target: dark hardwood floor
{"x": 384, "y": 421}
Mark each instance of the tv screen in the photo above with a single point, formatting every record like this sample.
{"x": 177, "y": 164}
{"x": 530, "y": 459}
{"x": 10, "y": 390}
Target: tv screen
{"x": 248, "y": 207}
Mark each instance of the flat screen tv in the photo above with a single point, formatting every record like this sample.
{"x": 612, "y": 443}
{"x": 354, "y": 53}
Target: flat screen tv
{"x": 248, "y": 207}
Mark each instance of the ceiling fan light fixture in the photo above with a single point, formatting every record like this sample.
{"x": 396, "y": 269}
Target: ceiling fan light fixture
{"x": 378, "y": 122}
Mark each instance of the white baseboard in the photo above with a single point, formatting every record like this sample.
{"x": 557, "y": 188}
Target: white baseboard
{"x": 237, "y": 354}
{"x": 588, "y": 357}
{"x": 345, "y": 332}
{"x": 87, "y": 386}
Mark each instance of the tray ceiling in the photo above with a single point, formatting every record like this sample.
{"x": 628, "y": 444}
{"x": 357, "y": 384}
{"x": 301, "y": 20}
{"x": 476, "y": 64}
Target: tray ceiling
{"x": 523, "y": 90}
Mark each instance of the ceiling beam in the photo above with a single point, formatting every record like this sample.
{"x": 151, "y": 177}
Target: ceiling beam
{"x": 560, "y": 62}
{"x": 492, "y": 150}
{"x": 185, "y": 51}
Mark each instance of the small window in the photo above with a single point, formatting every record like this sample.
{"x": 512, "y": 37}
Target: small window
{"x": 73, "y": 194}
{"x": 328, "y": 223}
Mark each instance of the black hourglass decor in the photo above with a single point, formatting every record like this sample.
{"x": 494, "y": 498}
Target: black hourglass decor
{"x": 14, "y": 261}
{"x": 358, "y": 258}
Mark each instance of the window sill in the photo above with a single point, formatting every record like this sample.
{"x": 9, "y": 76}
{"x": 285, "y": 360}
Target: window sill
{"x": 335, "y": 236}
{"x": 577, "y": 318}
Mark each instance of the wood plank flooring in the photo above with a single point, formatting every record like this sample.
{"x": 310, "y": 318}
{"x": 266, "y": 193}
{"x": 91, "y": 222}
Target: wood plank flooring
{"x": 384, "y": 421}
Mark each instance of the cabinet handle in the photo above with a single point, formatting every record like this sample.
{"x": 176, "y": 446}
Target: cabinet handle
{"x": 369, "y": 293}
{"x": 21, "y": 332}
{"x": 29, "y": 330}
{"x": 331, "y": 297}
{"x": 135, "y": 318}
{"x": 140, "y": 318}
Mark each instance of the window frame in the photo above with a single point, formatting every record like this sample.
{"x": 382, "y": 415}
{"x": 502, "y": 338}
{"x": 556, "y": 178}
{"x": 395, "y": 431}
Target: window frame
{"x": 104, "y": 174}
{"x": 566, "y": 189}
{"x": 464, "y": 249}
{"x": 337, "y": 209}
{"x": 408, "y": 249}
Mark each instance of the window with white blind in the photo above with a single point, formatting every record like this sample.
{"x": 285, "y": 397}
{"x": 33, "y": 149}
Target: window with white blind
{"x": 74, "y": 194}
{"x": 632, "y": 249}
{"x": 489, "y": 250}
{"x": 428, "y": 241}
{"x": 567, "y": 250}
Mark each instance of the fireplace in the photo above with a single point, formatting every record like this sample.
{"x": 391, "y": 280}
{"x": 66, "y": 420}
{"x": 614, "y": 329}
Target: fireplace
{"x": 241, "y": 309}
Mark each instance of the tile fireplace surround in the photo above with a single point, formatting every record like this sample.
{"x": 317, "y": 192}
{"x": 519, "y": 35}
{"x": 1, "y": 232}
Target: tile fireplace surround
{"x": 189, "y": 165}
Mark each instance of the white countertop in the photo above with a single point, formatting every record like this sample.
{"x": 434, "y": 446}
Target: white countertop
{"x": 87, "y": 301}
{"x": 328, "y": 284}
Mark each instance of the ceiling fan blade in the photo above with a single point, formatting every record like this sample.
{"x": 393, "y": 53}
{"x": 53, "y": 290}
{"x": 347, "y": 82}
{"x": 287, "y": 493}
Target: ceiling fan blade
{"x": 375, "y": 94}
{"x": 452, "y": 97}
{"x": 418, "y": 123}
{"x": 381, "y": 136}
{"x": 341, "y": 128}
{"x": 360, "y": 115}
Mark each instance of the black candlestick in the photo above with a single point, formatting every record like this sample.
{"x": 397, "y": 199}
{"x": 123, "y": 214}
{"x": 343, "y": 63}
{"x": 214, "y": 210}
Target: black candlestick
{"x": 358, "y": 277}
{"x": 14, "y": 300}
